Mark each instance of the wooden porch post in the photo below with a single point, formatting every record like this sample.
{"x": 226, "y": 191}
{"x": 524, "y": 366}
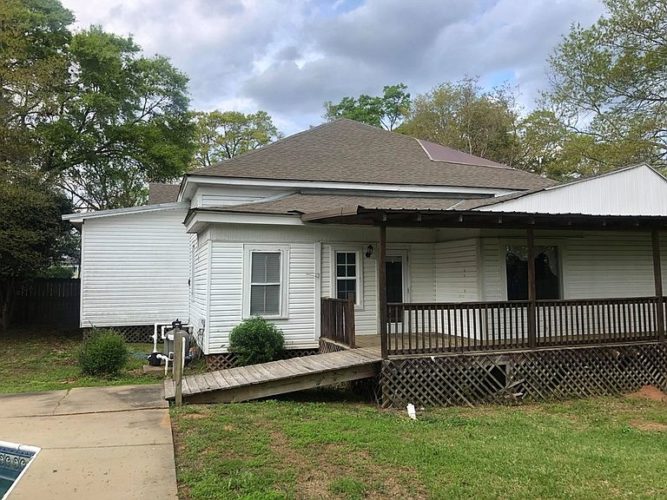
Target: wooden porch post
{"x": 657, "y": 274}
{"x": 532, "y": 325}
{"x": 382, "y": 284}
{"x": 349, "y": 323}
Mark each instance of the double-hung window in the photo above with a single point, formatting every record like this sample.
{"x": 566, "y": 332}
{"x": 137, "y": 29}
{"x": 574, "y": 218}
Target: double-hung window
{"x": 266, "y": 283}
{"x": 347, "y": 275}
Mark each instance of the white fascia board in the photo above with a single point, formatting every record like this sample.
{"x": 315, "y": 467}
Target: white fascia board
{"x": 191, "y": 181}
{"x": 202, "y": 219}
{"x": 80, "y": 217}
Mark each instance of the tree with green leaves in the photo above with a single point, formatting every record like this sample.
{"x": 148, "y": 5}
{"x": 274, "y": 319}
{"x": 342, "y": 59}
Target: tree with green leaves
{"x": 123, "y": 121}
{"x": 32, "y": 235}
{"x": 33, "y": 70}
{"x": 387, "y": 111}
{"x": 88, "y": 110}
{"x": 609, "y": 85}
{"x": 549, "y": 148}
{"x": 221, "y": 135}
{"x": 463, "y": 116}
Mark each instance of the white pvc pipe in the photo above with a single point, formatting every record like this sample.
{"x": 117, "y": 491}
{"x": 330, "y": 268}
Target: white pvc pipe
{"x": 162, "y": 331}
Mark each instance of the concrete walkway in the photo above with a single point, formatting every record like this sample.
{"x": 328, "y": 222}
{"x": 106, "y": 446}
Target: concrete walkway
{"x": 97, "y": 442}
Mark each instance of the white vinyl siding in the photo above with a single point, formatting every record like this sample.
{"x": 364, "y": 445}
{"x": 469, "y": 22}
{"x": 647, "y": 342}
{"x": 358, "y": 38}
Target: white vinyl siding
{"x": 199, "y": 293}
{"x": 422, "y": 276}
{"x": 457, "y": 271}
{"x": 467, "y": 269}
{"x": 297, "y": 321}
{"x": 135, "y": 269}
{"x": 306, "y": 282}
{"x": 608, "y": 265}
{"x": 633, "y": 191}
{"x": 492, "y": 282}
{"x": 592, "y": 264}
{"x": 223, "y": 196}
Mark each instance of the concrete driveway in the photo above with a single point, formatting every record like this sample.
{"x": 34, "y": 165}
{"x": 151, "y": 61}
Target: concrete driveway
{"x": 97, "y": 442}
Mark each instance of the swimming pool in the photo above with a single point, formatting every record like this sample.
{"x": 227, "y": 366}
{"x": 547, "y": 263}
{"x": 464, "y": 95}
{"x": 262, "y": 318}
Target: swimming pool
{"x": 14, "y": 461}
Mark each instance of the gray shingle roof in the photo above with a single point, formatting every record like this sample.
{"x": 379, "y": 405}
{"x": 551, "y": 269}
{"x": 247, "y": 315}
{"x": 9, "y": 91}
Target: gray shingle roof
{"x": 162, "y": 193}
{"x": 349, "y": 151}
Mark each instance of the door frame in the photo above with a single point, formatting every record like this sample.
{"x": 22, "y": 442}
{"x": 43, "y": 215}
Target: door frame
{"x": 405, "y": 258}
{"x": 405, "y": 264}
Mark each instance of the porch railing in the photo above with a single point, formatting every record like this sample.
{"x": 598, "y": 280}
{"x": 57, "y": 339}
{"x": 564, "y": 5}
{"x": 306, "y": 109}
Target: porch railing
{"x": 422, "y": 328}
{"x": 337, "y": 320}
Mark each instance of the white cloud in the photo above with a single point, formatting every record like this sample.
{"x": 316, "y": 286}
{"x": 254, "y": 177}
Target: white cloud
{"x": 290, "y": 57}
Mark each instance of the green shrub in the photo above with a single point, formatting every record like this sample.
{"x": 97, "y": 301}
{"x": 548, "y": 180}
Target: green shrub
{"x": 103, "y": 353}
{"x": 256, "y": 341}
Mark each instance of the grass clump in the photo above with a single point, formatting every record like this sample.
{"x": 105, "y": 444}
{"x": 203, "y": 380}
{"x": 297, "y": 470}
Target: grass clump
{"x": 104, "y": 353}
{"x": 256, "y": 341}
{"x": 348, "y": 488}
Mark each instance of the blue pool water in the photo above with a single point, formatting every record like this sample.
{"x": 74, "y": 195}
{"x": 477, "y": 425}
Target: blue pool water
{"x": 14, "y": 460}
{"x": 5, "y": 484}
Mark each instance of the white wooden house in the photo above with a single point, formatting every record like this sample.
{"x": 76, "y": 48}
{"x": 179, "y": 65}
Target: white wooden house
{"x": 341, "y": 208}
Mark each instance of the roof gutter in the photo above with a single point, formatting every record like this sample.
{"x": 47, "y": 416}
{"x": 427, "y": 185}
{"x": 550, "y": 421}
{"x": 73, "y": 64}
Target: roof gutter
{"x": 481, "y": 219}
{"x": 79, "y": 218}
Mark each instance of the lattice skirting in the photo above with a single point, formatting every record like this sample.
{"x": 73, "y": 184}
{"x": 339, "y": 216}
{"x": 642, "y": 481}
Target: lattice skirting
{"x": 329, "y": 346}
{"x": 132, "y": 334}
{"x": 228, "y": 359}
{"x": 522, "y": 376}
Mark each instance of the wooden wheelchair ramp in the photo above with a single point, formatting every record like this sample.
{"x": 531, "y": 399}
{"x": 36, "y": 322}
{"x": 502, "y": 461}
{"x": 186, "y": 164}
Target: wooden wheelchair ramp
{"x": 277, "y": 377}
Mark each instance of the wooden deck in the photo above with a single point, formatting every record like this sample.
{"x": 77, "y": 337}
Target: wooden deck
{"x": 277, "y": 377}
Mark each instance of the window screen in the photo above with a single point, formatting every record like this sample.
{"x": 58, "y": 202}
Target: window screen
{"x": 265, "y": 284}
{"x": 547, "y": 273}
{"x": 346, "y": 275}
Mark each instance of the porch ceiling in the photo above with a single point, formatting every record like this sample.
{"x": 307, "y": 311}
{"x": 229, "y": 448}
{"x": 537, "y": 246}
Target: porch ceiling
{"x": 358, "y": 215}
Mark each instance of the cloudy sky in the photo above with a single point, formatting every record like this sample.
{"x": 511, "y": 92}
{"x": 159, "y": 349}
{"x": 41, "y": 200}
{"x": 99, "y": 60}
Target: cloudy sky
{"x": 288, "y": 57}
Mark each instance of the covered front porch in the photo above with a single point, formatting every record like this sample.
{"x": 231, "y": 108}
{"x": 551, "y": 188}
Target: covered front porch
{"x": 527, "y": 348}
{"x": 542, "y": 307}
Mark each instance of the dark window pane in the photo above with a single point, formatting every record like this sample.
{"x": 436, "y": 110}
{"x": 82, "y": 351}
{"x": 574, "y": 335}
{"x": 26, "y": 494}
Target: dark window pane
{"x": 394, "y": 281}
{"x": 346, "y": 288}
{"x": 547, "y": 273}
{"x": 346, "y": 264}
{"x": 516, "y": 266}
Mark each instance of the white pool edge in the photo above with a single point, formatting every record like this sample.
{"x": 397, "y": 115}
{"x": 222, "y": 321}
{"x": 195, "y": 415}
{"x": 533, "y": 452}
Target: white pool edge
{"x": 20, "y": 447}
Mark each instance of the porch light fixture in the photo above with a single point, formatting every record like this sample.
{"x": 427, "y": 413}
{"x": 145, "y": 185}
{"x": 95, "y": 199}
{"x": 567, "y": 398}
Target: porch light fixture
{"x": 369, "y": 251}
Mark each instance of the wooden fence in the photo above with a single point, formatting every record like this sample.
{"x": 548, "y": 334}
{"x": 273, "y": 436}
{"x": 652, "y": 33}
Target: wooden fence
{"x": 337, "y": 321}
{"x": 53, "y": 302}
{"x": 417, "y": 328}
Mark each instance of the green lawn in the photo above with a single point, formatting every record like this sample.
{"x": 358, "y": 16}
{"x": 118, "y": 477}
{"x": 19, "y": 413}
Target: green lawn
{"x": 36, "y": 360}
{"x": 597, "y": 448}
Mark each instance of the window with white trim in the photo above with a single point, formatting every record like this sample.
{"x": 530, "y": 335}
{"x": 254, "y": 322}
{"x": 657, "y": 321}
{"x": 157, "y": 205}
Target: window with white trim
{"x": 347, "y": 275}
{"x": 265, "y": 283}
